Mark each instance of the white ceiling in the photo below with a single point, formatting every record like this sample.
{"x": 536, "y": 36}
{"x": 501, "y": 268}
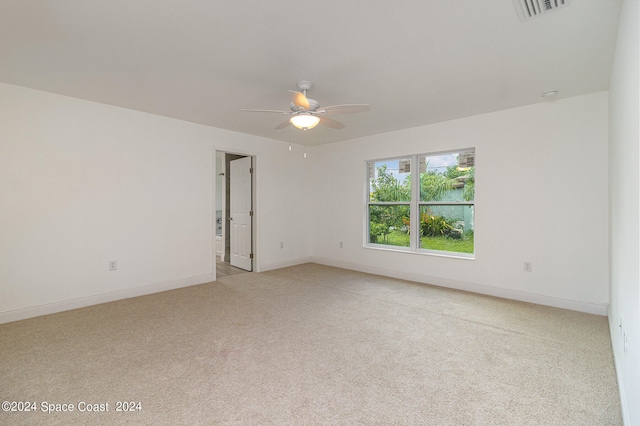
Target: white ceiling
{"x": 414, "y": 61}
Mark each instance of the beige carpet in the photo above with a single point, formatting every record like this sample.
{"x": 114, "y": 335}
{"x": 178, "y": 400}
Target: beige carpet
{"x": 313, "y": 345}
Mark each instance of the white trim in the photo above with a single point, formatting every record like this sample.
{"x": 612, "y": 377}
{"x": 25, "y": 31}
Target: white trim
{"x": 215, "y": 206}
{"x": 538, "y": 299}
{"x": 421, "y": 252}
{"x": 82, "y": 302}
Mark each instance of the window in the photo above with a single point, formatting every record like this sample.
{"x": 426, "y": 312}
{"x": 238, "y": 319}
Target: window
{"x": 423, "y": 203}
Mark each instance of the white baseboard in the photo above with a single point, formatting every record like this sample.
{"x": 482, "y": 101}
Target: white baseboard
{"x": 617, "y": 356}
{"x": 285, "y": 264}
{"x": 81, "y": 302}
{"x": 574, "y": 305}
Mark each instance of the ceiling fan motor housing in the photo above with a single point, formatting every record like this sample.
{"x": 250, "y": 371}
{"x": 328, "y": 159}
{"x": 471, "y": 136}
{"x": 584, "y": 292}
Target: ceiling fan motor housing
{"x": 313, "y": 106}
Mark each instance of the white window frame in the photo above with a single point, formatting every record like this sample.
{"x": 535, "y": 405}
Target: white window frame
{"x": 414, "y": 208}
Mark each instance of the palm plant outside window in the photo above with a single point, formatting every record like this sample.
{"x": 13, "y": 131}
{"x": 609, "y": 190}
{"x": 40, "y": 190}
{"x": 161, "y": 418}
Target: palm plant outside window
{"x": 423, "y": 203}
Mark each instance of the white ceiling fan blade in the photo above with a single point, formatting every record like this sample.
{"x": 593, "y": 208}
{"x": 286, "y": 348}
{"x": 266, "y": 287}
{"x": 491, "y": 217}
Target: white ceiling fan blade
{"x": 345, "y": 109}
{"x": 265, "y": 110}
{"x": 299, "y": 99}
{"x": 330, "y": 122}
{"x": 282, "y": 125}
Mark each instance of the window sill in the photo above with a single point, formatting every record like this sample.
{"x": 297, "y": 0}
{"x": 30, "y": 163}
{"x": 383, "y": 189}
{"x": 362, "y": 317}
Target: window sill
{"x": 399, "y": 249}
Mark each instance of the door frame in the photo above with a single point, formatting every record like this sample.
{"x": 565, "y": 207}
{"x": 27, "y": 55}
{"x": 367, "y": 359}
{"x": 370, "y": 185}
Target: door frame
{"x": 254, "y": 202}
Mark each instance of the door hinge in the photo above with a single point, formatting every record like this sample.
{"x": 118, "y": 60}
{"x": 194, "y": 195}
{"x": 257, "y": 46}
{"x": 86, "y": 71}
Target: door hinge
{"x": 250, "y": 212}
{"x": 250, "y": 169}
{"x": 250, "y": 255}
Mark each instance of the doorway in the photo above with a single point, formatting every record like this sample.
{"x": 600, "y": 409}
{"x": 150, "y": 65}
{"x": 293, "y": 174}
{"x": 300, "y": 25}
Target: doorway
{"x": 234, "y": 214}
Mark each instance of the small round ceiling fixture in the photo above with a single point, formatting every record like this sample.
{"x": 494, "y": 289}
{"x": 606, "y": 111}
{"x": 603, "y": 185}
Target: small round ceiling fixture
{"x": 549, "y": 94}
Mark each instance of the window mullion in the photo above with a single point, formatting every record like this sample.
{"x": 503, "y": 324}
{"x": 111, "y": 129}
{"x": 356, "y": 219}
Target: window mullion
{"x": 415, "y": 199}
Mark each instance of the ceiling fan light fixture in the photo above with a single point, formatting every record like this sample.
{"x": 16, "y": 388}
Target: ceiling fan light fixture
{"x": 304, "y": 121}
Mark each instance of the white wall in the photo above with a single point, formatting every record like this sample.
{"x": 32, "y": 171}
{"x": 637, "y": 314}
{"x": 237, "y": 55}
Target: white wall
{"x": 541, "y": 195}
{"x": 624, "y": 187}
{"x": 83, "y": 183}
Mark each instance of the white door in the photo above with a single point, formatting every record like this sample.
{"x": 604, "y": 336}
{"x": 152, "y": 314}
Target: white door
{"x": 240, "y": 214}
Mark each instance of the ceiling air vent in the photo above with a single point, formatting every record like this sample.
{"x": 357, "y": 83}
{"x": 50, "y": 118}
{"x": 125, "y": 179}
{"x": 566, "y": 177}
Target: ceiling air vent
{"x": 528, "y": 9}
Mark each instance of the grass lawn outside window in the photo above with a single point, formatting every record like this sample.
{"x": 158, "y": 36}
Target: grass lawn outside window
{"x": 464, "y": 245}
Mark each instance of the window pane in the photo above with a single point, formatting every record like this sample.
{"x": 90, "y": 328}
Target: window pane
{"x": 390, "y": 180}
{"x": 447, "y": 228}
{"x": 447, "y": 177}
{"x": 389, "y": 225}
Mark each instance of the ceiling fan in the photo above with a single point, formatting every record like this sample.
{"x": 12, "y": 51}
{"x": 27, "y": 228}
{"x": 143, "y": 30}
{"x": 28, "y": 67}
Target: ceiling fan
{"x": 306, "y": 113}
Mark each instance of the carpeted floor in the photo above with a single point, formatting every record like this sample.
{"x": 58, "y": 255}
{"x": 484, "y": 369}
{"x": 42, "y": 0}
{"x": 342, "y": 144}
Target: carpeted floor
{"x": 312, "y": 345}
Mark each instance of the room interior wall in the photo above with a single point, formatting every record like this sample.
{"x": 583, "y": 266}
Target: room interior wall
{"x": 541, "y": 196}
{"x": 624, "y": 195}
{"x": 83, "y": 183}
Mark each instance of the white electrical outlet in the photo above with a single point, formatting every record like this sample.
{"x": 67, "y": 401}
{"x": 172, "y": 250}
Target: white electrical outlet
{"x": 341, "y": 245}
{"x": 113, "y": 265}
{"x": 527, "y": 266}
{"x": 281, "y": 244}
